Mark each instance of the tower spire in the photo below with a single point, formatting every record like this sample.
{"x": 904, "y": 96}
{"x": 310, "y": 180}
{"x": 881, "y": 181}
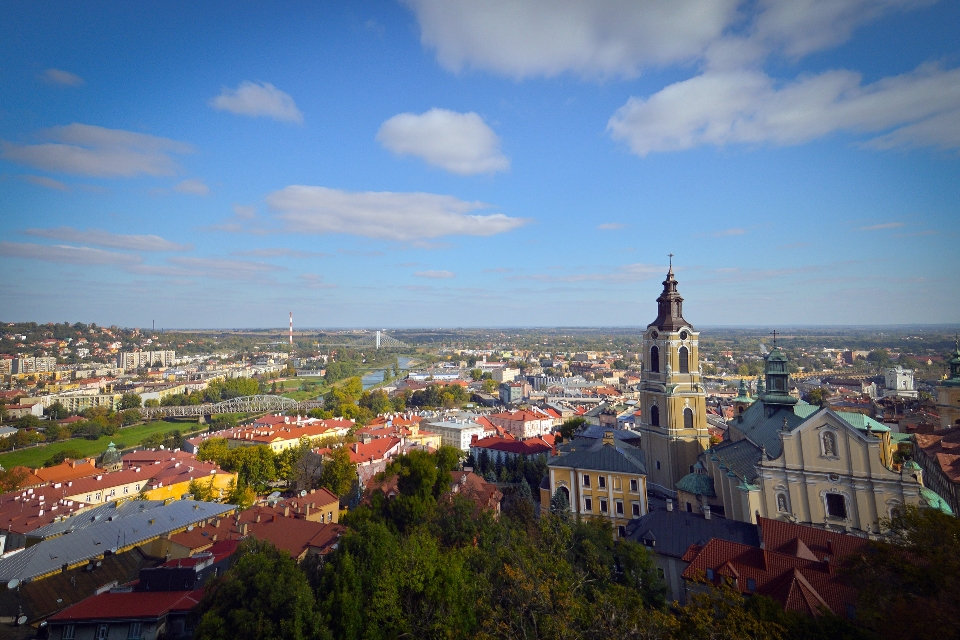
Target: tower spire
{"x": 670, "y": 305}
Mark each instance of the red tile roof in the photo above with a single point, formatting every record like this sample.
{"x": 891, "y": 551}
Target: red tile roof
{"x": 129, "y": 605}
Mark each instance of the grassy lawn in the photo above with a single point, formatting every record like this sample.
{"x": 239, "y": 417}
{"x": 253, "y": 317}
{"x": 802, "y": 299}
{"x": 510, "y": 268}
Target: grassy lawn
{"x": 35, "y": 456}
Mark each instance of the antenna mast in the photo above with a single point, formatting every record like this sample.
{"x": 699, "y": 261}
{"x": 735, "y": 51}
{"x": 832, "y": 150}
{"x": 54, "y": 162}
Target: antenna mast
{"x": 291, "y": 329}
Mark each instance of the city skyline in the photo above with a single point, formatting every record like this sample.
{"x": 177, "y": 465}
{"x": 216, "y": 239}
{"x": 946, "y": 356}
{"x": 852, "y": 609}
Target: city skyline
{"x": 433, "y": 164}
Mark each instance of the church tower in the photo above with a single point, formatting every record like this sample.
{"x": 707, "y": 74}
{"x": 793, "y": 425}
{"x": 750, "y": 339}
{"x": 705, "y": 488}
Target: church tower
{"x": 673, "y": 422}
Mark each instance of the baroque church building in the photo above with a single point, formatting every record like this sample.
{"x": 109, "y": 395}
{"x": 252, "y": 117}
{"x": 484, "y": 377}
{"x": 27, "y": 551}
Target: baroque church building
{"x": 788, "y": 460}
{"x": 672, "y": 398}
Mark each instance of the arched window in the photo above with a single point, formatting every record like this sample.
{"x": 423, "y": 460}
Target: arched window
{"x": 684, "y": 360}
{"x": 655, "y": 359}
{"x": 566, "y": 493}
{"x": 688, "y": 418}
{"x": 655, "y": 414}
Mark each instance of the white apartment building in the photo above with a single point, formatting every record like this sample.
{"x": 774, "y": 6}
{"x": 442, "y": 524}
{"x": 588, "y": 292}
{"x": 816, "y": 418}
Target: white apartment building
{"x": 456, "y": 433}
{"x": 33, "y": 365}
{"x": 137, "y": 359}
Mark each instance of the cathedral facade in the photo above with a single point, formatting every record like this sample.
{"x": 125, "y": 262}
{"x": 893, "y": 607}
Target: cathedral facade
{"x": 673, "y": 422}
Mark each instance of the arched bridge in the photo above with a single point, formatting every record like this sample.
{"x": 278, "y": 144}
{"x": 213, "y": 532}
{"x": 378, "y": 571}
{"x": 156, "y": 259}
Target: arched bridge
{"x": 244, "y": 404}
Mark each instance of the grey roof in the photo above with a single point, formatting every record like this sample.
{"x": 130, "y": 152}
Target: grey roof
{"x": 672, "y": 532}
{"x": 596, "y": 432}
{"x": 94, "y": 517}
{"x": 761, "y": 423}
{"x": 740, "y": 457}
{"x": 597, "y": 455}
{"x": 93, "y": 541}
{"x": 699, "y": 484}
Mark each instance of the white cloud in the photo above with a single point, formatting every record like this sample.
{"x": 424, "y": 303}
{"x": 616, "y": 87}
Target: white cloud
{"x": 736, "y": 231}
{"x": 386, "y": 215}
{"x": 64, "y": 78}
{"x": 458, "y": 142}
{"x": 44, "y": 181}
{"x": 66, "y": 254}
{"x": 252, "y": 99}
{"x": 880, "y": 227}
{"x": 244, "y": 212}
{"x": 221, "y": 268}
{"x": 625, "y": 273}
{"x": 96, "y": 151}
{"x": 746, "y": 106}
{"x": 591, "y": 39}
{"x": 193, "y": 186}
{"x": 611, "y": 226}
{"x": 314, "y": 281}
{"x": 103, "y": 238}
{"x": 281, "y": 252}
{"x": 435, "y": 274}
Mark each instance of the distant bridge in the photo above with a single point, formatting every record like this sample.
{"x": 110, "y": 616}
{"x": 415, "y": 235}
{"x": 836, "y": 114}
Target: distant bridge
{"x": 244, "y": 404}
{"x": 375, "y": 339}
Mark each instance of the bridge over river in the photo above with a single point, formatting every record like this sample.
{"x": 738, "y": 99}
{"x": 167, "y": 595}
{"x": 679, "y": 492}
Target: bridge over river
{"x": 244, "y": 404}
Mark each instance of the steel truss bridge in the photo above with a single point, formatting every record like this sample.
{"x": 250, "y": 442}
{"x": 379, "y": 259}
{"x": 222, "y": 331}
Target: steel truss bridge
{"x": 244, "y": 404}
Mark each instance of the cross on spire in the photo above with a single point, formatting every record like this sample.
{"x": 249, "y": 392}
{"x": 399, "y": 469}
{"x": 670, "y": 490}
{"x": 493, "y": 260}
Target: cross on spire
{"x": 774, "y": 334}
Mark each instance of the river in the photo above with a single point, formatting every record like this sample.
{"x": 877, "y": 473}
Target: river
{"x": 376, "y": 377}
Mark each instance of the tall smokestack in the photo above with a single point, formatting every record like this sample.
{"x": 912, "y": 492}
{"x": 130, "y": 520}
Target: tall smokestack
{"x": 291, "y": 328}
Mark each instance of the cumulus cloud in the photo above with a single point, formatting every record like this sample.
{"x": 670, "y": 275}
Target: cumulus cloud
{"x": 244, "y": 212}
{"x": 63, "y": 78}
{"x": 97, "y": 151}
{"x": 458, "y": 142}
{"x": 66, "y": 254}
{"x": 193, "y": 186}
{"x": 102, "y": 238}
{"x": 44, "y": 181}
{"x": 385, "y": 215}
{"x": 263, "y": 99}
{"x": 435, "y": 274}
{"x": 590, "y": 39}
{"x": 745, "y": 106}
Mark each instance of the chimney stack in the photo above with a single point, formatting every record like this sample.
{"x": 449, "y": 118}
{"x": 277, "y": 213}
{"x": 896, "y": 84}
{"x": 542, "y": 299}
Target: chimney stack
{"x": 286, "y": 511}
{"x": 669, "y": 504}
{"x": 706, "y": 512}
{"x": 243, "y": 529}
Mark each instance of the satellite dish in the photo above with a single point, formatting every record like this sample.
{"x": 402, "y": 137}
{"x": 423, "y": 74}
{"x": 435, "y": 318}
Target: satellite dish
{"x": 22, "y": 620}
{"x": 303, "y": 493}
{"x": 13, "y": 584}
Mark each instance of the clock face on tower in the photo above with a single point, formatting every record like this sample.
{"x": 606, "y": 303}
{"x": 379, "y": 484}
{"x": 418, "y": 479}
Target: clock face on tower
{"x": 683, "y": 335}
{"x": 654, "y": 334}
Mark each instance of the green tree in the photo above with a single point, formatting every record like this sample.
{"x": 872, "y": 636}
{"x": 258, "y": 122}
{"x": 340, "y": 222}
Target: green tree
{"x": 338, "y": 473}
{"x": 817, "y": 396}
{"x": 570, "y": 426}
{"x": 263, "y": 596}
{"x": 130, "y": 401}
{"x": 476, "y": 374}
{"x": 203, "y": 491}
{"x": 56, "y": 411}
{"x": 560, "y": 503}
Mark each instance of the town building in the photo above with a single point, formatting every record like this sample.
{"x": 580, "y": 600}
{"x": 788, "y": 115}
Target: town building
{"x": 898, "y": 383}
{"x": 672, "y": 398}
{"x": 798, "y": 566}
{"x": 948, "y": 392}
{"x": 506, "y": 448}
{"x": 525, "y": 423}
{"x": 458, "y": 432}
{"x": 602, "y": 478}
{"x": 140, "y": 359}
{"x": 792, "y": 461}
{"x": 938, "y": 455}
{"x": 668, "y": 533}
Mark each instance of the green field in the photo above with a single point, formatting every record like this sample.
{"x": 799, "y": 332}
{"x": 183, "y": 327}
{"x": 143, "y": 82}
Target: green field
{"x": 35, "y": 456}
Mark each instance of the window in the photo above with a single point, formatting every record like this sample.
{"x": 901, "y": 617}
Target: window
{"x": 586, "y": 480}
{"x": 133, "y": 633}
{"x": 617, "y": 485}
{"x": 684, "y": 360}
{"x": 588, "y": 505}
{"x": 330, "y": 516}
{"x": 103, "y": 631}
{"x": 136, "y": 488}
{"x": 69, "y": 632}
{"x": 688, "y": 418}
{"x": 621, "y": 532}
{"x": 655, "y": 415}
{"x": 836, "y": 506}
{"x": 636, "y": 509}
{"x": 660, "y": 572}
{"x": 751, "y": 584}
{"x": 851, "y": 612}
{"x": 88, "y": 498}
{"x": 603, "y": 505}
{"x": 689, "y": 508}
{"x": 619, "y": 507}
{"x": 634, "y": 485}
{"x": 602, "y": 482}
{"x": 709, "y": 574}
{"x": 658, "y": 465}
{"x": 655, "y": 359}
{"x": 126, "y": 489}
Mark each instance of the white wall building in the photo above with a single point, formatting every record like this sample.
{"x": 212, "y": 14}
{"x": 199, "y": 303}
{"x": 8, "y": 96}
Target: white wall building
{"x": 899, "y": 383}
{"x": 456, "y": 433}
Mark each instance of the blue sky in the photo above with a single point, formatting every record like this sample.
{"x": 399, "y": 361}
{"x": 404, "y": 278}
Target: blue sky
{"x": 454, "y": 163}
